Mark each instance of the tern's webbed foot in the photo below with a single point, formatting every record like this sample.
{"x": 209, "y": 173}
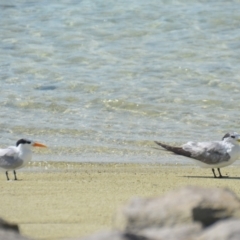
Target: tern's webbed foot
{"x": 223, "y": 176}
{"x": 220, "y": 175}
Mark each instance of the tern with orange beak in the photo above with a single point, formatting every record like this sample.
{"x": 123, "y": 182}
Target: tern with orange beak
{"x": 13, "y": 158}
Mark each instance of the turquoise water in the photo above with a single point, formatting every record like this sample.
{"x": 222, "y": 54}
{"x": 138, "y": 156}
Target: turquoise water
{"x": 100, "y": 80}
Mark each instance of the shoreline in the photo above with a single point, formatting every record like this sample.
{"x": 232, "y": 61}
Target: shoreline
{"x": 55, "y": 200}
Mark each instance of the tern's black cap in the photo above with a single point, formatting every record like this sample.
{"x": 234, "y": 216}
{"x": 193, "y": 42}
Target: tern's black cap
{"x": 23, "y": 141}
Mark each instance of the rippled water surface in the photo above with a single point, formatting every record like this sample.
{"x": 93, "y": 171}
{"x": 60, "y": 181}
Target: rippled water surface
{"x": 100, "y": 80}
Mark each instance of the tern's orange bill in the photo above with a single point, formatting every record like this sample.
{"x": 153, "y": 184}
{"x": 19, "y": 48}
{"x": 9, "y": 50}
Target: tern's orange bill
{"x": 37, "y": 144}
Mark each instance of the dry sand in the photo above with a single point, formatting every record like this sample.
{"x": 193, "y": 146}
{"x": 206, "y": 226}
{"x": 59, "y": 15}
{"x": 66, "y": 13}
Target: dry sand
{"x": 60, "y": 200}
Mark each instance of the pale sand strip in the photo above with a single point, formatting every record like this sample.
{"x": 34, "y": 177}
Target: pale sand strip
{"x": 69, "y": 200}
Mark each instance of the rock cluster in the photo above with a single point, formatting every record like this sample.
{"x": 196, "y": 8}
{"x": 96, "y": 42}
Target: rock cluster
{"x": 190, "y": 213}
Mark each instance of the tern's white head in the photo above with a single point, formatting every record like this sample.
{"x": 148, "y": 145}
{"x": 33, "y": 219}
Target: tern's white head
{"x": 231, "y": 137}
{"x": 28, "y": 144}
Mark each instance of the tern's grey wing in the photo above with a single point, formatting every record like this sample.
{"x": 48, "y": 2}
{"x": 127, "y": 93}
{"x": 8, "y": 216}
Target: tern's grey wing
{"x": 9, "y": 159}
{"x": 207, "y": 152}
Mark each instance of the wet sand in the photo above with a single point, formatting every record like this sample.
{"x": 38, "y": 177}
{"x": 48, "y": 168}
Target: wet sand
{"x": 62, "y": 200}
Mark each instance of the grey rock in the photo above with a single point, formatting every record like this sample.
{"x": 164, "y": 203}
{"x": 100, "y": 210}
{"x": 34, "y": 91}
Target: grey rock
{"x": 175, "y": 233}
{"x": 184, "y": 232}
{"x": 11, "y": 235}
{"x": 190, "y": 213}
{"x": 222, "y": 230}
{"x": 9, "y": 231}
{"x": 111, "y": 235}
{"x": 8, "y": 226}
{"x": 181, "y": 207}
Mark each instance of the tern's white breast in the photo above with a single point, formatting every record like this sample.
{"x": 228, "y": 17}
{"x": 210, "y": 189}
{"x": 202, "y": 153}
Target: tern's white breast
{"x": 25, "y": 154}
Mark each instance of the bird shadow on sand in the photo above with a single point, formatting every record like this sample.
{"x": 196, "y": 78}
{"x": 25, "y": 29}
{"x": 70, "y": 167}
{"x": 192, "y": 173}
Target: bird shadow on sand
{"x": 224, "y": 177}
{"x": 12, "y": 180}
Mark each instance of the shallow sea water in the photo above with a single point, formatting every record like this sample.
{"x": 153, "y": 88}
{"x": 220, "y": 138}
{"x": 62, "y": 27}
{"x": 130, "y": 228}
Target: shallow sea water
{"x": 99, "y": 81}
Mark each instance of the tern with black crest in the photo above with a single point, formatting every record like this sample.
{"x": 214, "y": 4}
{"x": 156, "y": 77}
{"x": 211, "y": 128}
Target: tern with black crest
{"x": 215, "y": 154}
{"x": 15, "y": 157}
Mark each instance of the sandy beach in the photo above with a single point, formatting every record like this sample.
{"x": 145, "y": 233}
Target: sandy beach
{"x": 64, "y": 200}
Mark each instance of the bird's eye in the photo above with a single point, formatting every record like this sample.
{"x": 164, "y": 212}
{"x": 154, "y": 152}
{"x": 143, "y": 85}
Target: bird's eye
{"x": 232, "y": 136}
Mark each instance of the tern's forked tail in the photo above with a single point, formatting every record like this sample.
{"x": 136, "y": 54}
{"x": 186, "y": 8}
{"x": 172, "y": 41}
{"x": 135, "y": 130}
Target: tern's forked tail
{"x": 176, "y": 150}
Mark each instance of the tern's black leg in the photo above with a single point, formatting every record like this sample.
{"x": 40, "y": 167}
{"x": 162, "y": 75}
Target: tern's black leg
{"x": 7, "y": 175}
{"x": 15, "y": 175}
{"x": 220, "y": 175}
{"x": 214, "y": 172}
